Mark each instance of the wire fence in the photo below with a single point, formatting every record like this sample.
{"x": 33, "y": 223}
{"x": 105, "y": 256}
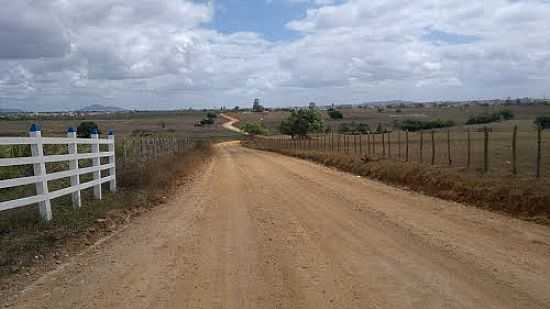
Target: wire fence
{"x": 485, "y": 150}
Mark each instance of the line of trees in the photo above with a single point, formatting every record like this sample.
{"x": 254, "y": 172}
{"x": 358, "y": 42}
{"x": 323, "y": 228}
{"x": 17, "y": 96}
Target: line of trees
{"x": 493, "y": 117}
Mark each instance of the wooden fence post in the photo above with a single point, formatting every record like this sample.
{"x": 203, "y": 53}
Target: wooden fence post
{"x": 449, "y": 147}
{"x": 399, "y": 144}
{"x": 433, "y": 147}
{"x": 112, "y": 160}
{"x": 485, "y": 149}
{"x": 37, "y": 150}
{"x": 96, "y": 163}
{"x": 539, "y": 149}
{"x": 360, "y": 144}
{"x": 368, "y": 144}
{"x": 73, "y": 165}
{"x": 468, "y": 149}
{"x": 384, "y": 144}
{"x": 389, "y": 144}
{"x": 374, "y": 144}
{"x": 421, "y": 146}
{"x": 514, "y": 149}
{"x": 406, "y": 145}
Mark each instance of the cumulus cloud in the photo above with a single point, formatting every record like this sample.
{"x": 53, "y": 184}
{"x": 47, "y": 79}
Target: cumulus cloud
{"x": 62, "y": 54}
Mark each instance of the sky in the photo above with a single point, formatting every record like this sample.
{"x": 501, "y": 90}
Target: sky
{"x": 170, "y": 54}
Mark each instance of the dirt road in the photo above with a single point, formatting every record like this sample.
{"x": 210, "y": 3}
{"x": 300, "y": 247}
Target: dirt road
{"x": 229, "y": 125}
{"x": 260, "y": 230}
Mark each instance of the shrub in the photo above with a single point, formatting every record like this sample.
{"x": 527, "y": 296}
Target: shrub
{"x": 211, "y": 115}
{"x": 353, "y": 128}
{"x": 336, "y": 115}
{"x": 488, "y": 118}
{"x": 256, "y": 128}
{"x": 543, "y": 121}
{"x": 416, "y": 125}
{"x": 86, "y": 128}
{"x": 301, "y": 122}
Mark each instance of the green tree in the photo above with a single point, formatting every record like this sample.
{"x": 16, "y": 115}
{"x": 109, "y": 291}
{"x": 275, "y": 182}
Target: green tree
{"x": 256, "y": 128}
{"x": 86, "y": 128}
{"x": 334, "y": 114}
{"x": 543, "y": 121}
{"x": 301, "y": 122}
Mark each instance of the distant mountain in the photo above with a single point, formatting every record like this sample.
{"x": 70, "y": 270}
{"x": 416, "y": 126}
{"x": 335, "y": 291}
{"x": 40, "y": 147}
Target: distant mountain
{"x": 10, "y": 110}
{"x": 390, "y": 102}
{"x": 101, "y": 108}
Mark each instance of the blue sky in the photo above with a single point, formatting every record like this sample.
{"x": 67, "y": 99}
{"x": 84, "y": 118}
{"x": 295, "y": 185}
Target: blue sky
{"x": 166, "y": 54}
{"x": 260, "y": 16}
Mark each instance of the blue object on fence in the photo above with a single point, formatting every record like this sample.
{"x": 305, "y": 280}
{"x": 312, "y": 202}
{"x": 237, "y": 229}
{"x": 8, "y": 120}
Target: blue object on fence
{"x": 70, "y": 130}
{"x": 110, "y": 131}
{"x": 94, "y": 131}
{"x": 35, "y": 127}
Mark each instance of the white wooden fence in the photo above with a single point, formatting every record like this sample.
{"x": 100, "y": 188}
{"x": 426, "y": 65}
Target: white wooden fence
{"x": 41, "y": 177}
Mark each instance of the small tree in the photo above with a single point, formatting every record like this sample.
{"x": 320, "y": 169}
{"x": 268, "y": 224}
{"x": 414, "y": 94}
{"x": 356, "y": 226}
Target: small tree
{"x": 256, "y": 128}
{"x": 211, "y": 115}
{"x": 336, "y": 115}
{"x": 543, "y": 122}
{"x": 86, "y": 128}
{"x": 302, "y": 122}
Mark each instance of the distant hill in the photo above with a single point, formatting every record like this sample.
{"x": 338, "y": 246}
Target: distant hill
{"x": 101, "y": 108}
{"x": 10, "y": 110}
{"x": 390, "y": 102}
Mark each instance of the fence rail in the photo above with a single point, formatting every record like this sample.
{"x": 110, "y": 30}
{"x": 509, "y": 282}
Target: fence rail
{"x": 41, "y": 177}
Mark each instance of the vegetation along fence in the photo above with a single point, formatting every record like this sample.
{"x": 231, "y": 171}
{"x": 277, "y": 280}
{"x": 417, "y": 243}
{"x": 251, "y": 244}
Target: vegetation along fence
{"x": 494, "y": 151}
{"x": 35, "y": 170}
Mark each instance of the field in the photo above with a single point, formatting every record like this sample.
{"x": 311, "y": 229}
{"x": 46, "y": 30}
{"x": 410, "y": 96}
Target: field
{"x": 524, "y": 115}
{"x": 500, "y": 155}
{"x": 175, "y": 123}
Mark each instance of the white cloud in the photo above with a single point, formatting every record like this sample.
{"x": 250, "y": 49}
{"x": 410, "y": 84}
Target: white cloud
{"x": 67, "y": 53}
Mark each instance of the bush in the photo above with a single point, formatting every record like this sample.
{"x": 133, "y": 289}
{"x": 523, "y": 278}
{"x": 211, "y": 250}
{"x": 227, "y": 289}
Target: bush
{"x": 416, "y": 125}
{"x": 256, "y": 128}
{"x": 301, "y": 122}
{"x": 211, "y": 115}
{"x": 353, "y": 128}
{"x": 543, "y": 121}
{"x": 336, "y": 115}
{"x": 86, "y": 128}
{"x": 488, "y": 118}
{"x": 207, "y": 121}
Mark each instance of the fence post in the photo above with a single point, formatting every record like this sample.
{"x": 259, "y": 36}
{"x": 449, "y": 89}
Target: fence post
{"x": 421, "y": 146}
{"x": 96, "y": 163}
{"x": 539, "y": 148}
{"x": 433, "y": 147}
{"x": 468, "y": 149}
{"x": 368, "y": 143}
{"x": 485, "y": 149}
{"x": 73, "y": 165}
{"x": 406, "y": 145}
{"x": 360, "y": 144}
{"x": 384, "y": 143}
{"x": 389, "y": 144}
{"x": 514, "y": 153}
{"x": 449, "y": 147}
{"x": 112, "y": 160}
{"x": 37, "y": 150}
{"x": 399, "y": 144}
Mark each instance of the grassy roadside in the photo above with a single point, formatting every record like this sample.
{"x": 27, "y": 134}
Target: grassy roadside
{"x": 29, "y": 247}
{"x": 521, "y": 197}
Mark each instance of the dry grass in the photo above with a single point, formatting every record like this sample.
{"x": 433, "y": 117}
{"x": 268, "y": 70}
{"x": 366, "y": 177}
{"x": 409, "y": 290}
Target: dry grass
{"x": 178, "y": 123}
{"x": 522, "y": 196}
{"x": 26, "y": 241}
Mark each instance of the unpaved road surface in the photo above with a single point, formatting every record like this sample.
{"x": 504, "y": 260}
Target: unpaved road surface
{"x": 260, "y": 230}
{"x": 230, "y": 124}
